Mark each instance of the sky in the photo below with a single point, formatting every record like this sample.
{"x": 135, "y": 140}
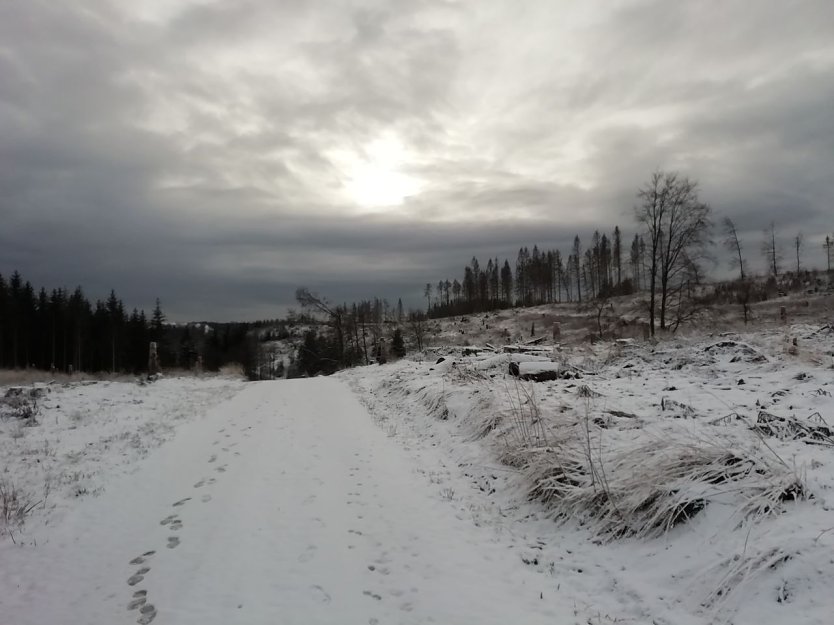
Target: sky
{"x": 219, "y": 154}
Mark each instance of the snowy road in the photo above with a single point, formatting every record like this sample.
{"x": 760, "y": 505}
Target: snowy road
{"x": 285, "y": 505}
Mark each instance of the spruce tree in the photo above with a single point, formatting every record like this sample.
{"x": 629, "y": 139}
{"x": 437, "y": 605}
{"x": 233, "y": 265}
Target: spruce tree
{"x": 398, "y": 344}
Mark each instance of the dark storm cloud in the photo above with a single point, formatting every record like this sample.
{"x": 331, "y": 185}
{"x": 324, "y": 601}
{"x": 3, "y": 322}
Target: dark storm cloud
{"x": 201, "y": 151}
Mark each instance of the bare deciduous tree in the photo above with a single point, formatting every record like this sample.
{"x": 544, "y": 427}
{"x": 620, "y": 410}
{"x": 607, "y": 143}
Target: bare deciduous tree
{"x": 417, "y": 323}
{"x": 677, "y": 224}
{"x": 771, "y": 250}
{"x": 733, "y": 244}
{"x": 311, "y": 301}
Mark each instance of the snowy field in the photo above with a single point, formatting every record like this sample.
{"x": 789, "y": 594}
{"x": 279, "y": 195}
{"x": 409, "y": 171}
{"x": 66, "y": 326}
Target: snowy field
{"x": 81, "y": 435}
{"x": 682, "y": 483}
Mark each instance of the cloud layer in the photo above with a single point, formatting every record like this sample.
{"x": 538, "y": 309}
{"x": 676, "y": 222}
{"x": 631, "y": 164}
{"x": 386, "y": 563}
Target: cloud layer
{"x": 219, "y": 154}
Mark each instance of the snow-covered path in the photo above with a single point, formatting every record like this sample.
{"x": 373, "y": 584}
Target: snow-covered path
{"x": 287, "y": 505}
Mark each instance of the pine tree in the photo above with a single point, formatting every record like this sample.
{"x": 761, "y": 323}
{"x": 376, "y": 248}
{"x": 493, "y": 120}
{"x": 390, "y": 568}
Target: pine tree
{"x": 398, "y": 344}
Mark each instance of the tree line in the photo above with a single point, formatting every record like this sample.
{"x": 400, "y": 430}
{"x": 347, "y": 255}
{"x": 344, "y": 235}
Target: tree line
{"x": 63, "y": 330}
{"x": 666, "y": 258}
{"x": 603, "y": 269}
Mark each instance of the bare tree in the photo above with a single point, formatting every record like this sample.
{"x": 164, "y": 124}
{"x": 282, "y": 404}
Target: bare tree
{"x": 797, "y": 244}
{"x": 828, "y": 245}
{"x": 311, "y": 301}
{"x": 677, "y": 224}
{"x": 771, "y": 250}
{"x": 427, "y": 295}
{"x": 577, "y": 266}
{"x": 733, "y": 244}
{"x": 417, "y": 323}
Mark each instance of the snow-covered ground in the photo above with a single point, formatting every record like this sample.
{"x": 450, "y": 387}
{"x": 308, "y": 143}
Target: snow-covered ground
{"x": 83, "y": 434}
{"x": 681, "y": 483}
{"x": 688, "y": 482}
{"x": 284, "y": 504}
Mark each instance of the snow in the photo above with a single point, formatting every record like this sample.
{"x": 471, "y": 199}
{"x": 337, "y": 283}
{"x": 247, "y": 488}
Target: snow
{"x": 738, "y": 560}
{"x": 406, "y": 493}
{"x": 272, "y": 507}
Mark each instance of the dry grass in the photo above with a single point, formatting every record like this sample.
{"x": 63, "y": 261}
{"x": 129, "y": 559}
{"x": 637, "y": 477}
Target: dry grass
{"x": 233, "y": 369}
{"x": 23, "y": 377}
{"x": 648, "y": 488}
{"x": 14, "y": 504}
{"x": 731, "y": 574}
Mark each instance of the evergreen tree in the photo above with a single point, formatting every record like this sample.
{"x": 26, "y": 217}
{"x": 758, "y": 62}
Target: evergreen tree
{"x": 398, "y": 344}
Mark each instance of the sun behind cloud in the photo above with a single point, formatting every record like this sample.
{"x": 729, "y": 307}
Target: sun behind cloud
{"x": 375, "y": 177}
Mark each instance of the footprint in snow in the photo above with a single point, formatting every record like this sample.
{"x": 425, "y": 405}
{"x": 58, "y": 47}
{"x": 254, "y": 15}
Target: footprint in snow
{"x": 173, "y": 542}
{"x": 373, "y": 595}
{"x": 138, "y": 576}
{"x": 147, "y": 614}
{"x": 138, "y": 601}
{"x": 320, "y": 594}
{"x": 200, "y": 484}
{"x": 212, "y": 458}
{"x": 169, "y": 519}
{"x": 141, "y": 559}
{"x": 220, "y": 469}
{"x": 181, "y": 502}
{"x": 205, "y": 498}
{"x": 176, "y": 525}
{"x": 309, "y": 554}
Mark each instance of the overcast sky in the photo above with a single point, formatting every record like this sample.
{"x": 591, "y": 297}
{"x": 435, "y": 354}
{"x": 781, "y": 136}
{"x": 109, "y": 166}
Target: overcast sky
{"x": 218, "y": 154}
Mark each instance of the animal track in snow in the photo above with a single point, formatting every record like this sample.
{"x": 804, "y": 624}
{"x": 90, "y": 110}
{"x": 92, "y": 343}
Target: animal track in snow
{"x": 372, "y": 595}
{"x": 181, "y": 502}
{"x": 205, "y": 498}
{"x": 169, "y": 519}
{"x": 173, "y": 542}
{"x": 212, "y": 458}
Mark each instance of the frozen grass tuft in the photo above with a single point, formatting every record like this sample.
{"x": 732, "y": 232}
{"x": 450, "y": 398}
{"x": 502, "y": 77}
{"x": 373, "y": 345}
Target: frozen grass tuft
{"x": 645, "y": 488}
{"x": 14, "y": 504}
{"x": 730, "y": 575}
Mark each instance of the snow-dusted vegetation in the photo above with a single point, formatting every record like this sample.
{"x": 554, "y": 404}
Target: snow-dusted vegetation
{"x": 701, "y": 466}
